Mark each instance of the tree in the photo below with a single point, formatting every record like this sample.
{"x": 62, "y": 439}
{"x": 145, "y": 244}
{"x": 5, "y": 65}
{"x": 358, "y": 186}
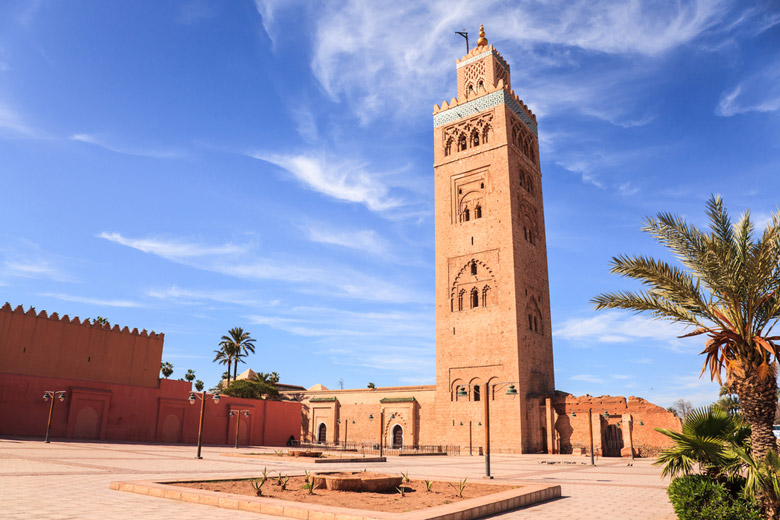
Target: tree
{"x": 251, "y": 389}
{"x": 727, "y": 289}
{"x": 100, "y": 320}
{"x": 166, "y": 368}
{"x": 236, "y": 345}
{"x": 199, "y": 385}
{"x": 728, "y": 401}
{"x": 681, "y": 407}
{"x": 371, "y": 385}
{"x": 190, "y": 375}
{"x": 224, "y": 356}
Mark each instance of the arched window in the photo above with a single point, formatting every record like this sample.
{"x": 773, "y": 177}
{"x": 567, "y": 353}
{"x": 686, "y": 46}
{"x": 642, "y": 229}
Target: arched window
{"x": 460, "y": 299}
{"x": 475, "y": 138}
{"x": 485, "y": 292}
{"x": 322, "y": 433}
{"x": 530, "y": 322}
{"x": 536, "y": 325}
{"x": 448, "y": 147}
{"x": 481, "y": 86}
{"x": 474, "y": 298}
{"x": 466, "y": 216}
{"x": 462, "y": 142}
{"x": 473, "y": 268}
{"x": 525, "y": 232}
{"x": 485, "y": 132}
{"x": 478, "y": 212}
{"x": 477, "y": 392}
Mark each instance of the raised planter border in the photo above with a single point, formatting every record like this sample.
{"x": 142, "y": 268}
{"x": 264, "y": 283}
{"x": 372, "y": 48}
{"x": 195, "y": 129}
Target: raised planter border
{"x": 469, "y": 509}
{"x": 316, "y": 460}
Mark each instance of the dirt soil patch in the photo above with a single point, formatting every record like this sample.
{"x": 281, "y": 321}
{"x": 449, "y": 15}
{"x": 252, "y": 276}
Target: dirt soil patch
{"x": 415, "y": 494}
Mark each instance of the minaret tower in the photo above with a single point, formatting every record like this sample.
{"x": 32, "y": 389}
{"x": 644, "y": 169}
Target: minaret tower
{"x": 492, "y": 290}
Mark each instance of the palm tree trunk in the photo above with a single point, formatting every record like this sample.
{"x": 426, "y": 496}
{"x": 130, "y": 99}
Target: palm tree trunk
{"x": 758, "y": 401}
{"x": 235, "y": 370}
{"x": 227, "y": 384}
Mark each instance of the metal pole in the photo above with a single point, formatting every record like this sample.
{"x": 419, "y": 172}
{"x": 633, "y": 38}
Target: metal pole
{"x": 238, "y": 425}
{"x": 590, "y": 431}
{"x": 487, "y": 430}
{"x": 51, "y": 413}
{"x": 200, "y": 424}
{"x": 631, "y": 436}
{"x": 470, "y": 438}
{"x": 346, "y": 432}
{"x": 381, "y": 432}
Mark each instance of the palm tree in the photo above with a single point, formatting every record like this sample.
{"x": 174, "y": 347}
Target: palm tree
{"x": 190, "y": 375}
{"x": 166, "y": 368}
{"x": 707, "y": 443}
{"x": 237, "y": 344}
{"x": 728, "y": 289}
{"x": 225, "y": 357}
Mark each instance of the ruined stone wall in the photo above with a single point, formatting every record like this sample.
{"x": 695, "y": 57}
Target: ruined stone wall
{"x": 623, "y": 420}
{"x": 48, "y": 345}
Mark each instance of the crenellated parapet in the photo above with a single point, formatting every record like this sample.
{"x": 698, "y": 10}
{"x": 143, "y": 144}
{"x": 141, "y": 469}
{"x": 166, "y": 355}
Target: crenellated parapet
{"x": 87, "y": 322}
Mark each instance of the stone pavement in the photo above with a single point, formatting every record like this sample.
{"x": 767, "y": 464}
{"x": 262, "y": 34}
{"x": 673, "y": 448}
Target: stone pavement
{"x": 70, "y": 480}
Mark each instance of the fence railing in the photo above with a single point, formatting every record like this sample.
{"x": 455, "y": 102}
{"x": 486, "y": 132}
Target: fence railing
{"x": 373, "y": 448}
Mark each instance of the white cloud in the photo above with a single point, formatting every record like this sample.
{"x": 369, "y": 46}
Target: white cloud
{"x": 617, "y": 327}
{"x": 153, "y": 153}
{"x": 34, "y": 268}
{"x": 190, "y": 296}
{"x": 385, "y": 59}
{"x": 12, "y": 122}
{"x": 242, "y": 262}
{"x": 172, "y": 249}
{"x": 92, "y": 301}
{"x": 365, "y": 240}
{"x": 345, "y": 180}
{"x": 587, "y": 378}
{"x": 759, "y": 92}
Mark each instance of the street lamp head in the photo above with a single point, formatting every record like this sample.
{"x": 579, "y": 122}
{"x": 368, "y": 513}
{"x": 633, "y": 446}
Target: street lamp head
{"x": 46, "y": 396}
{"x": 606, "y": 414}
{"x": 511, "y": 390}
{"x": 231, "y": 413}
{"x": 61, "y": 396}
{"x": 371, "y": 416}
{"x": 216, "y": 398}
{"x": 246, "y": 414}
{"x": 462, "y": 391}
{"x": 191, "y": 398}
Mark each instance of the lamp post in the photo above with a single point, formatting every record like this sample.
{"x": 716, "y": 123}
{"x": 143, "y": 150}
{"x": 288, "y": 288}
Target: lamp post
{"x": 192, "y": 398}
{"x": 238, "y": 413}
{"x": 381, "y": 432}
{"x": 511, "y": 391}
{"x": 346, "y": 429}
{"x": 52, "y": 395}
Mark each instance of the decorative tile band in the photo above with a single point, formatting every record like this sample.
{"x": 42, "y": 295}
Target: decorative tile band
{"x": 470, "y": 108}
{"x": 480, "y": 56}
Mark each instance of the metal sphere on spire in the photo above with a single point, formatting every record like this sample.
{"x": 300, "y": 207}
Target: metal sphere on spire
{"x": 482, "y": 40}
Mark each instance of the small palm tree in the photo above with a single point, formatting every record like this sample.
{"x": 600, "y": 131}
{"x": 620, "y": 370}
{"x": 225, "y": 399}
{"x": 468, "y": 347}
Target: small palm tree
{"x": 190, "y": 375}
{"x": 237, "y": 344}
{"x": 224, "y": 356}
{"x": 706, "y": 443}
{"x": 166, "y": 368}
{"x": 199, "y": 385}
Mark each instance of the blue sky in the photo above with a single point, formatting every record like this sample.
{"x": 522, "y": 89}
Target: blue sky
{"x": 189, "y": 167}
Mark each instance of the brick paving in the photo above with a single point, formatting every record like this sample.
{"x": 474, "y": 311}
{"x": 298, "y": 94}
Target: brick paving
{"x": 70, "y": 480}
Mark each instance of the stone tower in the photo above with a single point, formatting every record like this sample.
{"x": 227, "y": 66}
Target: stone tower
{"x": 492, "y": 291}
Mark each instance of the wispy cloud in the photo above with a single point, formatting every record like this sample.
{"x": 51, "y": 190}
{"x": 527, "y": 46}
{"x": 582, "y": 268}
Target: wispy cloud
{"x": 587, "y": 378}
{"x": 99, "y": 302}
{"x": 351, "y": 41}
{"x": 13, "y": 124}
{"x": 616, "y": 327}
{"x": 154, "y": 153}
{"x": 34, "y": 268}
{"x": 343, "y": 179}
{"x": 243, "y": 262}
{"x": 365, "y": 240}
{"x": 759, "y": 92}
{"x": 190, "y": 296}
{"x": 172, "y": 249}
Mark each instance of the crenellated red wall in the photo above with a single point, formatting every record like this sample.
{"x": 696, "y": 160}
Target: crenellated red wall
{"x": 47, "y": 345}
{"x": 117, "y": 412}
{"x": 113, "y": 390}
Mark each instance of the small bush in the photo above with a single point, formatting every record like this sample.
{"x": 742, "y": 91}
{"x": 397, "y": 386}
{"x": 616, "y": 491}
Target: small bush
{"x": 698, "y": 497}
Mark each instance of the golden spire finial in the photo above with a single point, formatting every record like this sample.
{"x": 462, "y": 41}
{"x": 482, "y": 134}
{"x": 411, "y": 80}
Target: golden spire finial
{"x": 482, "y": 40}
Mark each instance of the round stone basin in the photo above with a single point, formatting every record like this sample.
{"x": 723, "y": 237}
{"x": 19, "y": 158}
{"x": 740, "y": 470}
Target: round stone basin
{"x": 306, "y": 453}
{"x": 356, "y": 481}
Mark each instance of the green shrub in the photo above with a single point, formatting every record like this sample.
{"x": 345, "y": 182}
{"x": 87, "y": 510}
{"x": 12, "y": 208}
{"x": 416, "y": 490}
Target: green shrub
{"x": 698, "y": 497}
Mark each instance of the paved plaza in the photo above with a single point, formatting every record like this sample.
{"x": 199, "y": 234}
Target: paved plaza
{"x": 70, "y": 480}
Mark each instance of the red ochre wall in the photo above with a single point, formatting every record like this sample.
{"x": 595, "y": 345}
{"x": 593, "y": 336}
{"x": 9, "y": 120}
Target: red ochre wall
{"x": 113, "y": 391}
{"x": 116, "y": 412}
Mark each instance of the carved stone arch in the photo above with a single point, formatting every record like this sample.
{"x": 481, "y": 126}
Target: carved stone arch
{"x": 486, "y": 296}
{"x": 534, "y": 315}
{"x": 474, "y": 138}
{"x": 528, "y": 215}
{"x": 475, "y": 387}
{"x": 486, "y": 130}
{"x": 462, "y": 141}
{"x": 474, "y": 298}
{"x": 461, "y": 296}
{"x": 465, "y": 272}
{"x": 457, "y": 383}
{"x": 492, "y": 380}
{"x": 448, "y": 146}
